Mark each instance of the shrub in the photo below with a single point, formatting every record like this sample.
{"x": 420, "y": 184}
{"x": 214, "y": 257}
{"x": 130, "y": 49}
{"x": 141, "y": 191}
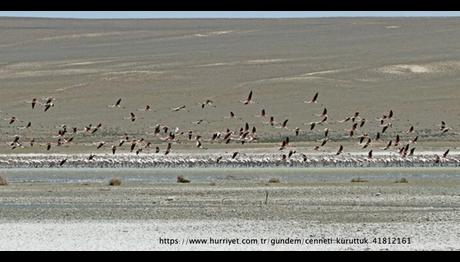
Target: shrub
{"x": 274, "y": 180}
{"x": 402, "y": 180}
{"x": 3, "y": 181}
{"x": 358, "y": 180}
{"x": 115, "y": 181}
{"x": 181, "y": 179}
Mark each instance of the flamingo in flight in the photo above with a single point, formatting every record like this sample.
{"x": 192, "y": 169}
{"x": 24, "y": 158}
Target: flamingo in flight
{"x": 234, "y": 155}
{"x": 33, "y": 102}
{"x": 263, "y": 113}
{"x": 248, "y": 100}
{"x": 339, "y": 151}
{"x": 117, "y": 104}
{"x": 63, "y": 162}
{"x": 147, "y": 108}
{"x": 48, "y": 106}
{"x": 314, "y": 99}
{"x": 178, "y": 108}
{"x": 324, "y": 113}
{"x": 388, "y": 145}
{"x": 208, "y": 102}
{"x": 297, "y": 131}
{"x": 445, "y": 153}
{"x": 284, "y": 125}
{"x": 101, "y": 144}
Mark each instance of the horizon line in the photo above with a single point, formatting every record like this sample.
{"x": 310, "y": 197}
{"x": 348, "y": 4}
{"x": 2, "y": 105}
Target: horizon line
{"x": 234, "y": 18}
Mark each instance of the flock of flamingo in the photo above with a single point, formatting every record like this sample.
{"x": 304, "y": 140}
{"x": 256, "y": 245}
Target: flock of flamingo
{"x": 143, "y": 153}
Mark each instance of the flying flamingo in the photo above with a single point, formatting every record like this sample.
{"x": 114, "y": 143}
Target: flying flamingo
{"x": 249, "y": 99}
{"x": 313, "y": 100}
{"x": 117, "y": 104}
{"x": 178, "y": 108}
{"x": 206, "y": 103}
{"x": 339, "y": 151}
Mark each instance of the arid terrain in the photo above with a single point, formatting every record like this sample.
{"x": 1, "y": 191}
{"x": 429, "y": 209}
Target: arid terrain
{"x": 370, "y": 65}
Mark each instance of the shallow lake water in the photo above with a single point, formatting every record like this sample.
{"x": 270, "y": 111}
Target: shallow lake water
{"x": 168, "y": 175}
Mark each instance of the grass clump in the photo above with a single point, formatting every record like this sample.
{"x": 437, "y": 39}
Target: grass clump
{"x": 3, "y": 181}
{"x": 115, "y": 182}
{"x": 359, "y": 180}
{"x": 402, "y": 180}
{"x": 181, "y": 179}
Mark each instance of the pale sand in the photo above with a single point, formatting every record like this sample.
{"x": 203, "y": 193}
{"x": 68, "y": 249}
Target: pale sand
{"x": 145, "y": 235}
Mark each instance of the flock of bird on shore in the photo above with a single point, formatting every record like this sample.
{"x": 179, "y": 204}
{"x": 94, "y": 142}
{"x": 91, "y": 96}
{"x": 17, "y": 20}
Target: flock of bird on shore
{"x": 169, "y": 136}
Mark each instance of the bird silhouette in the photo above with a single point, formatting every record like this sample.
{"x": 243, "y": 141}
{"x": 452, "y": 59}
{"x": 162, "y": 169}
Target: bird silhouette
{"x": 208, "y": 102}
{"x": 179, "y": 108}
{"x": 234, "y": 155}
{"x": 100, "y": 145}
{"x": 248, "y": 100}
{"x": 339, "y": 151}
{"x": 388, "y": 145}
{"x": 313, "y": 100}
{"x": 63, "y": 162}
{"x": 445, "y": 153}
{"x": 117, "y": 104}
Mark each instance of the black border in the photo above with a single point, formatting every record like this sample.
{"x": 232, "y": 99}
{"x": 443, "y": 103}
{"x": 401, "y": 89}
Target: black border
{"x": 227, "y": 5}
{"x": 248, "y": 5}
